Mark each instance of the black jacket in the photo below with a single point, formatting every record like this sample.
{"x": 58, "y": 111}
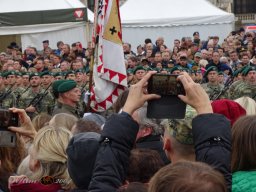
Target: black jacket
{"x": 212, "y": 139}
{"x": 153, "y": 142}
{"x": 117, "y": 140}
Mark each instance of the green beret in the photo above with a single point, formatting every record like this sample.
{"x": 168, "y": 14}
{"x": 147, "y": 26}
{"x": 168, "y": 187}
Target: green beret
{"x": 57, "y": 74}
{"x": 10, "y": 73}
{"x": 247, "y": 70}
{"x": 129, "y": 71}
{"x": 79, "y": 71}
{"x": 56, "y": 84}
{"x": 181, "y": 129}
{"x": 66, "y": 86}
{"x": 25, "y": 73}
{"x": 212, "y": 68}
{"x": 138, "y": 68}
{"x": 236, "y": 72}
{"x": 220, "y": 73}
{"x": 157, "y": 69}
{"x": 18, "y": 73}
{"x": 1, "y": 75}
{"x": 45, "y": 73}
{"x": 175, "y": 69}
{"x": 33, "y": 75}
{"x": 69, "y": 72}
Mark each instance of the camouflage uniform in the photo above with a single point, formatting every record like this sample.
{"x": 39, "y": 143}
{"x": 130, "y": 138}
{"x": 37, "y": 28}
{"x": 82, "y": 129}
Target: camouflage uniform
{"x": 63, "y": 108}
{"x": 212, "y": 90}
{"x": 18, "y": 91}
{"x": 7, "y": 99}
{"x": 242, "y": 88}
{"x": 45, "y": 105}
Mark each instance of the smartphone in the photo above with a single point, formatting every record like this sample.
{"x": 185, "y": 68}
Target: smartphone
{"x": 7, "y": 119}
{"x": 165, "y": 85}
{"x": 169, "y": 106}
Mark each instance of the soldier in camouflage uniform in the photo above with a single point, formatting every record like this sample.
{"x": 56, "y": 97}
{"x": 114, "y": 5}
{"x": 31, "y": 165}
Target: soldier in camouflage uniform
{"x": 246, "y": 87}
{"x": 213, "y": 87}
{"x": 11, "y": 77}
{"x": 32, "y": 108}
{"x": 68, "y": 95}
{"x": 7, "y": 98}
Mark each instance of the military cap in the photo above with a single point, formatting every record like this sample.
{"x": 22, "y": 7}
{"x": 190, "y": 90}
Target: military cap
{"x": 175, "y": 69}
{"x": 236, "y": 72}
{"x": 157, "y": 69}
{"x": 181, "y": 129}
{"x": 33, "y": 75}
{"x": 129, "y": 71}
{"x": 18, "y": 73}
{"x": 45, "y": 73}
{"x": 247, "y": 70}
{"x": 79, "y": 71}
{"x": 56, "y": 84}
{"x": 138, "y": 68}
{"x": 10, "y": 73}
{"x": 66, "y": 86}
{"x": 69, "y": 72}
{"x": 25, "y": 73}
{"x": 198, "y": 54}
{"x": 212, "y": 68}
{"x": 220, "y": 73}
{"x": 57, "y": 74}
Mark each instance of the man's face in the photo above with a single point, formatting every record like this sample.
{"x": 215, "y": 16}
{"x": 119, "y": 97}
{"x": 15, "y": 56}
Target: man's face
{"x": 140, "y": 74}
{"x": 71, "y": 76}
{"x": 35, "y": 81}
{"x": 204, "y": 54}
{"x": 197, "y": 59}
{"x": 74, "y": 95}
{"x": 79, "y": 76}
{"x": 233, "y": 56}
{"x": 18, "y": 80}
{"x": 158, "y": 57}
{"x": 216, "y": 57}
{"x": 56, "y": 60}
{"x": 65, "y": 49}
{"x": 212, "y": 76}
{"x": 176, "y": 44}
{"x": 45, "y": 45}
{"x": 46, "y": 79}
{"x": 126, "y": 48}
{"x": 64, "y": 66}
{"x": 183, "y": 61}
{"x": 221, "y": 78}
{"x": 166, "y": 56}
{"x": 251, "y": 77}
{"x": 11, "y": 79}
{"x": 16, "y": 65}
{"x": 245, "y": 59}
{"x": 39, "y": 64}
{"x": 25, "y": 79}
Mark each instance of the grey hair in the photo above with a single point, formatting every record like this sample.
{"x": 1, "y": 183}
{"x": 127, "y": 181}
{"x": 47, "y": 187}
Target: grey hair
{"x": 155, "y": 124}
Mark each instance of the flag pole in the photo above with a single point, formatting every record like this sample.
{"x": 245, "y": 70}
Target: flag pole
{"x": 94, "y": 58}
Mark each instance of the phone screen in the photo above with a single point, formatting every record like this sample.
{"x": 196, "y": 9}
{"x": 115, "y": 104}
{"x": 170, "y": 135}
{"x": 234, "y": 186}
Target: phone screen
{"x": 165, "y": 85}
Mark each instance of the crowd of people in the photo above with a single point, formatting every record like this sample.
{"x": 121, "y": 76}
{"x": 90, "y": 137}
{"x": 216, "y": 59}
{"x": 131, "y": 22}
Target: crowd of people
{"x": 61, "y": 145}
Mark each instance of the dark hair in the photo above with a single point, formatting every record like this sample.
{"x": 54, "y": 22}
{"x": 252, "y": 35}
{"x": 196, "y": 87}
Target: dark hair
{"x": 118, "y": 105}
{"x": 143, "y": 164}
{"x": 244, "y": 144}
{"x": 187, "y": 176}
{"x": 147, "y": 40}
{"x": 86, "y": 126}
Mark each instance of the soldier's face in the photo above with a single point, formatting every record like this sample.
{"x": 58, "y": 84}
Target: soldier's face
{"x": 140, "y": 74}
{"x": 251, "y": 77}
{"x": 25, "y": 79}
{"x": 35, "y": 81}
{"x": 46, "y": 79}
{"x": 74, "y": 94}
{"x": 11, "y": 79}
{"x": 79, "y": 77}
{"x": 18, "y": 80}
{"x": 212, "y": 76}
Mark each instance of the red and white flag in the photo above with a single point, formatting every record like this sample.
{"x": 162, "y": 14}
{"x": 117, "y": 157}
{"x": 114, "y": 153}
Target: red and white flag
{"x": 109, "y": 72}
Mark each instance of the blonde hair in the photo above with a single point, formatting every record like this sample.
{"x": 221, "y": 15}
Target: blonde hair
{"x": 49, "y": 147}
{"x": 40, "y": 120}
{"x": 248, "y": 104}
{"x": 23, "y": 168}
{"x": 63, "y": 120}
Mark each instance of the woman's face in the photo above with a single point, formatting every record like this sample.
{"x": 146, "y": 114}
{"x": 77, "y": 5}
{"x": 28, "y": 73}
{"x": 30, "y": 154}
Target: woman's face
{"x": 33, "y": 162}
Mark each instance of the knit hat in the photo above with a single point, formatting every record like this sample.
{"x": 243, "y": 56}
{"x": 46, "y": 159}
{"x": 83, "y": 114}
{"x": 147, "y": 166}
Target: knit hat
{"x": 181, "y": 129}
{"x": 66, "y": 86}
{"x": 230, "y": 109}
{"x": 98, "y": 119}
{"x": 82, "y": 151}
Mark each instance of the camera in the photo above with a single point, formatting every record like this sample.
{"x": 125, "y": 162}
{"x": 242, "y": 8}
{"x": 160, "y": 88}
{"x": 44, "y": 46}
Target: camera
{"x": 165, "y": 85}
{"x": 7, "y": 119}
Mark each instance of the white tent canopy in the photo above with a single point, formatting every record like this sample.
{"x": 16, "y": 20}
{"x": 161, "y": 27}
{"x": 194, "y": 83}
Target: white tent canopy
{"x": 172, "y": 19}
{"x": 36, "y": 21}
